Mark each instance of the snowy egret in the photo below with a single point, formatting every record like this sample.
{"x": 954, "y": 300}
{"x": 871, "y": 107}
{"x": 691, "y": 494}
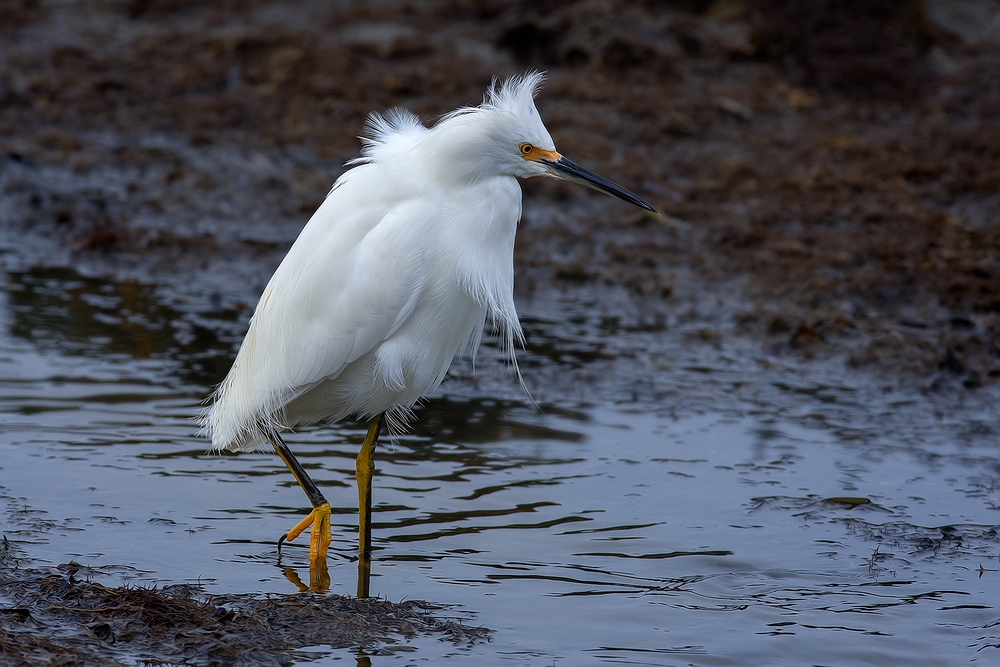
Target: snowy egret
{"x": 396, "y": 273}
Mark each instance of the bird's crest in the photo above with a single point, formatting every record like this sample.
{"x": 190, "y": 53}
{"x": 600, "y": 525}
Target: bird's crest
{"x": 516, "y": 93}
{"x": 401, "y": 128}
{"x": 397, "y": 123}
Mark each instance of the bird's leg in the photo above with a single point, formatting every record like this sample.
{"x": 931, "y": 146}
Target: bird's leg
{"x": 365, "y": 467}
{"x": 319, "y": 517}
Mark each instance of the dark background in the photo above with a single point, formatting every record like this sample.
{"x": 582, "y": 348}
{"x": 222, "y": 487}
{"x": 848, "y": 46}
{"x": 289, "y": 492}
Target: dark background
{"x": 837, "y": 160}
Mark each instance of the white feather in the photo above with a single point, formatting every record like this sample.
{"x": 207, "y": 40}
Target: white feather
{"x": 396, "y": 272}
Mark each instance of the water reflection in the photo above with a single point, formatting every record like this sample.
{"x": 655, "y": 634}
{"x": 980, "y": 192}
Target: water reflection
{"x": 478, "y": 420}
{"x": 319, "y": 577}
{"x": 749, "y": 517}
{"x": 61, "y": 310}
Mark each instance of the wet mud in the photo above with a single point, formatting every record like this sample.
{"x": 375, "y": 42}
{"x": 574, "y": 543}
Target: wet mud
{"x": 64, "y": 616}
{"x": 836, "y": 163}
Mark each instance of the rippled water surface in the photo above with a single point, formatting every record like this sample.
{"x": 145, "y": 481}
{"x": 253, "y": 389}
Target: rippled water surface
{"x": 671, "y": 501}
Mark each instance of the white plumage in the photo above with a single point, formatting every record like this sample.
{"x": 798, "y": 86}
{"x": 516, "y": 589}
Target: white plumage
{"x": 396, "y": 273}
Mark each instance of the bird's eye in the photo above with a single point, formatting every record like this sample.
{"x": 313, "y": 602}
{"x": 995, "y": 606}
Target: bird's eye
{"x": 526, "y": 148}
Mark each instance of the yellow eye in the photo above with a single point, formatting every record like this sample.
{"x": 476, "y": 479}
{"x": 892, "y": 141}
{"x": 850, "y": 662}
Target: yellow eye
{"x": 526, "y": 148}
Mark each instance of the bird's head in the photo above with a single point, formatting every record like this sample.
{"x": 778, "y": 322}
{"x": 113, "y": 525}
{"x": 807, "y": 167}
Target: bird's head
{"x": 502, "y": 136}
{"x": 522, "y": 146}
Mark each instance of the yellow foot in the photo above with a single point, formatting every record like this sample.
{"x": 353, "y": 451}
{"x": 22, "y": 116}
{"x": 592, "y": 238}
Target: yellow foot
{"x": 320, "y": 538}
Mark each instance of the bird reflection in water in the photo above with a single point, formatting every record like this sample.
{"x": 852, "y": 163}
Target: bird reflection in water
{"x": 319, "y": 578}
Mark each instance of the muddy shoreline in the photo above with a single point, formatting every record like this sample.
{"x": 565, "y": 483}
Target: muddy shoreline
{"x": 844, "y": 180}
{"x": 61, "y": 615}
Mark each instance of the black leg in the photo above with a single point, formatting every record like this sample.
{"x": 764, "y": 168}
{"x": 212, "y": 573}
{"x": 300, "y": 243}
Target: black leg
{"x": 319, "y": 518}
{"x": 301, "y": 476}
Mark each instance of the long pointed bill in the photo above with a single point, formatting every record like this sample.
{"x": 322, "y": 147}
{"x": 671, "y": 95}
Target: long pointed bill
{"x": 571, "y": 171}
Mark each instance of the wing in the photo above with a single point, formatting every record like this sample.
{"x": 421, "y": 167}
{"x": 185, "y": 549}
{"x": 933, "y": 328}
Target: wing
{"x": 353, "y": 277}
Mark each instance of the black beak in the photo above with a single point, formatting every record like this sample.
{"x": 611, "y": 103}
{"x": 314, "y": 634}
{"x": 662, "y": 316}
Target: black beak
{"x": 571, "y": 171}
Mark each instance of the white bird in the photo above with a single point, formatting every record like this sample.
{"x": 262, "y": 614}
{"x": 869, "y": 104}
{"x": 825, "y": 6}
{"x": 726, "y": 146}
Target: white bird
{"x": 396, "y": 273}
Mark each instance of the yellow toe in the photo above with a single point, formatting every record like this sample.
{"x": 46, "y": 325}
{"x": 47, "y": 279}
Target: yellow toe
{"x": 321, "y": 536}
{"x": 300, "y": 526}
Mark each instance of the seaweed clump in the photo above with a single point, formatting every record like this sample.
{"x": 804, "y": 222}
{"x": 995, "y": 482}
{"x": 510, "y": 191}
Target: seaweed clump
{"x": 60, "y": 616}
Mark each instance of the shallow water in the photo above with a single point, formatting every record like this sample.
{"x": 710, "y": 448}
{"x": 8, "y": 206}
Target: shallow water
{"x": 671, "y": 501}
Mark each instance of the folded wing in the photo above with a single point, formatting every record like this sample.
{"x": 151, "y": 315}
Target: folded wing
{"x": 321, "y": 311}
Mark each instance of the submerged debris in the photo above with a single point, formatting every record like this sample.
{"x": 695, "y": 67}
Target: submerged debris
{"x": 911, "y": 542}
{"x": 60, "y": 616}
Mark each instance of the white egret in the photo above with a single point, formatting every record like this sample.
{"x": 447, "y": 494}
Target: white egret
{"x": 397, "y": 272}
